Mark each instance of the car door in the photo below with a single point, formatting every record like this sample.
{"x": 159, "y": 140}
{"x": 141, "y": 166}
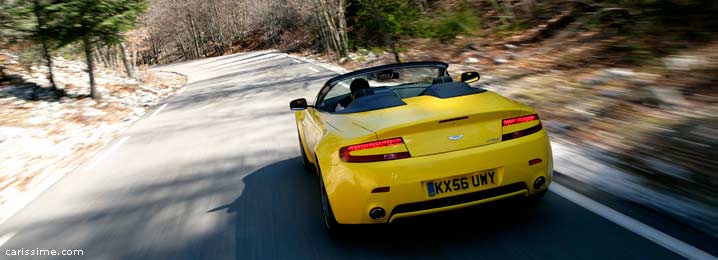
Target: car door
{"x": 314, "y": 129}
{"x": 313, "y": 122}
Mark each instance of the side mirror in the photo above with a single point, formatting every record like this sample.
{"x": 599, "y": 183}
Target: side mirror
{"x": 469, "y": 77}
{"x": 298, "y": 104}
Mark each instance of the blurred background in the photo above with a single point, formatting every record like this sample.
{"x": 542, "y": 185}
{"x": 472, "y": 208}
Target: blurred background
{"x": 627, "y": 88}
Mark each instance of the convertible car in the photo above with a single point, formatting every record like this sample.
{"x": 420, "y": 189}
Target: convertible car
{"x": 405, "y": 139}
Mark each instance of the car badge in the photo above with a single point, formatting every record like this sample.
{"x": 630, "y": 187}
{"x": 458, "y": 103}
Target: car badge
{"x": 456, "y": 137}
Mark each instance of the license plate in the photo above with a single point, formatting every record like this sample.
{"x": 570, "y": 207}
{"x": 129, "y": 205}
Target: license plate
{"x": 468, "y": 182}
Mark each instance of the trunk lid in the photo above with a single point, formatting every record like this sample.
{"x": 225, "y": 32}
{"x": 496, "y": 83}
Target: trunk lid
{"x": 431, "y": 125}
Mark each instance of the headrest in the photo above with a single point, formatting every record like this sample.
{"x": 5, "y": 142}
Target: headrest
{"x": 442, "y": 79}
{"x": 363, "y": 92}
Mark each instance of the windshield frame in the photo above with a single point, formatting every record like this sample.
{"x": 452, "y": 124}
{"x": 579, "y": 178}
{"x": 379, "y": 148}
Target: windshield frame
{"x": 331, "y": 83}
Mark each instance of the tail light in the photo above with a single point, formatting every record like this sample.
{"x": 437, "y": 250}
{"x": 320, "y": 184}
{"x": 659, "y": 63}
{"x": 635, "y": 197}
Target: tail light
{"x": 518, "y": 120}
{"x": 345, "y": 152}
{"x": 520, "y": 133}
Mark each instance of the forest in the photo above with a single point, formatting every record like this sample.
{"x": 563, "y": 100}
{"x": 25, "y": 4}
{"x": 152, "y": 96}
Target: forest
{"x": 122, "y": 34}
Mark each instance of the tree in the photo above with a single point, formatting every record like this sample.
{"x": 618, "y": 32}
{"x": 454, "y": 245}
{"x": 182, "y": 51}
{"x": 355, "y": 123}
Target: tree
{"x": 93, "y": 23}
{"x": 129, "y": 68}
{"x": 42, "y": 36}
{"x": 390, "y": 18}
{"x": 34, "y": 20}
{"x": 332, "y": 25}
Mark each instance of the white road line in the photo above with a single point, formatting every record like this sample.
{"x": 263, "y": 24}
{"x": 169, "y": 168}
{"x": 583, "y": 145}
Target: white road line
{"x": 296, "y": 61}
{"x": 103, "y": 156}
{"x": 652, "y": 234}
{"x": 158, "y": 110}
{"x": 5, "y": 238}
{"x": 313, "y": 69}
{"x": 181, "y": 90}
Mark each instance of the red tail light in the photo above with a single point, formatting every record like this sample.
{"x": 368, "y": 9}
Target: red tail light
{"x": 518, "y": 120}
{"x": 534, "y": 161}
{"x": 345, "y": 152}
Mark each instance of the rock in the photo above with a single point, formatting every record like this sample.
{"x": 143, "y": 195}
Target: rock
{"x": 645, "y": 96}
{"x": 613, "y": 92}
{"x": 343, "y": 60}
{"x": 471, "y": 60}
{"x": 639, "y": 81}
{"x": 616, "y": 73}
{"x": 510, "y": 46}
{"x": 666, "y": 95}
{"x": 656, "y": 96}
{"x": 500, "y": 61}
{"x": 608, "y": 75}
{"x": 472, "y": 46}
{"x": 685, "y": 62}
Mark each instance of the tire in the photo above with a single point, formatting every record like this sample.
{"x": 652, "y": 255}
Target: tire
{"x": 305, "y": 160}
{"x": 333, "y": 227}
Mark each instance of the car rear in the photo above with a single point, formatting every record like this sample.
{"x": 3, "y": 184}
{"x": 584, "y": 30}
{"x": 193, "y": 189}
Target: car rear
{"x": 436, "y": 155}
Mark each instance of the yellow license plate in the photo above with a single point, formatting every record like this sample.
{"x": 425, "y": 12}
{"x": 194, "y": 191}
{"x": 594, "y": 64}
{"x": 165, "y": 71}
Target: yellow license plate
{"x": 458, "y": 184}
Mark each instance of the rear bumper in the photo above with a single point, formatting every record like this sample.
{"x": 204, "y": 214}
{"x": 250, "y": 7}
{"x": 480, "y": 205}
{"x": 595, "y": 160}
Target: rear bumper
{"x": 458, "y": 201}
{"x": 349, "y": 185}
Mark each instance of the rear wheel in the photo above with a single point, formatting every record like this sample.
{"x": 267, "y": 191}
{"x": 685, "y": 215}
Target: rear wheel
{"x": 333, "y": 227}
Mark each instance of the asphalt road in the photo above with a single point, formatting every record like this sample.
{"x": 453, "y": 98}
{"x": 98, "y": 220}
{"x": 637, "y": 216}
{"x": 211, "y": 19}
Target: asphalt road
{"x": 216, "y": 174}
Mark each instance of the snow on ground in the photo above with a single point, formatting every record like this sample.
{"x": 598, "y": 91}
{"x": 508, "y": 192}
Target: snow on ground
{"x": 44, "y": 136}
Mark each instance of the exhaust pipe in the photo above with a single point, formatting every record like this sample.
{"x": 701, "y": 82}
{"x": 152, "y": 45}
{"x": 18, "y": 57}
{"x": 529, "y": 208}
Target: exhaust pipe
{"x": 539, "y": 182}
{"x": 377, "y": 213}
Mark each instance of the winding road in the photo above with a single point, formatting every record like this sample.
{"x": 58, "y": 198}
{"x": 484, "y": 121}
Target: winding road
{"x": 215, "y": 173}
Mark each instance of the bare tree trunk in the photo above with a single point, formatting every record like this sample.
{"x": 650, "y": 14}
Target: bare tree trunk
{"x": 45, "y": 50}
{"x": 90, "y": 68}
{"x": 508, "y": 9}
{"x": 504, "y": 11}
{"x": 343, "y": 27}
{"x": 392, "y": 45}
{"x": 422, "y": 5}
{"x": 195, "y": 38}
{"x": 113, "y": 53}
{"x": 334, "y": 35}
{"x": 126, "y": 61}
{"x": 498, "y": 10}
{"x": 48, "y": 59}
{"x": 216, "y": 24}
{"x": 133, "y": 58}
{"x": 100, "y": 57}
{"x": 115, "y": 56}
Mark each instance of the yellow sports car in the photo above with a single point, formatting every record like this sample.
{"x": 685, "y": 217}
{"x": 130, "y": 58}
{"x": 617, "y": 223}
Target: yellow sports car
{"x": 402, "y": 140}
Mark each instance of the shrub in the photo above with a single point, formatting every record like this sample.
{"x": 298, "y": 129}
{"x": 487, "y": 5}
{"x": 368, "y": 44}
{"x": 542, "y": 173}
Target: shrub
{"x": 448, "y": 25}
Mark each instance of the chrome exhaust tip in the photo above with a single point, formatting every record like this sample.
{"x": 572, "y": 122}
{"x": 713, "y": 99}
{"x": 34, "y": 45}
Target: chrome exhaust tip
{"x": 377, "y": 213}
{"x": 539, "y": 182}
